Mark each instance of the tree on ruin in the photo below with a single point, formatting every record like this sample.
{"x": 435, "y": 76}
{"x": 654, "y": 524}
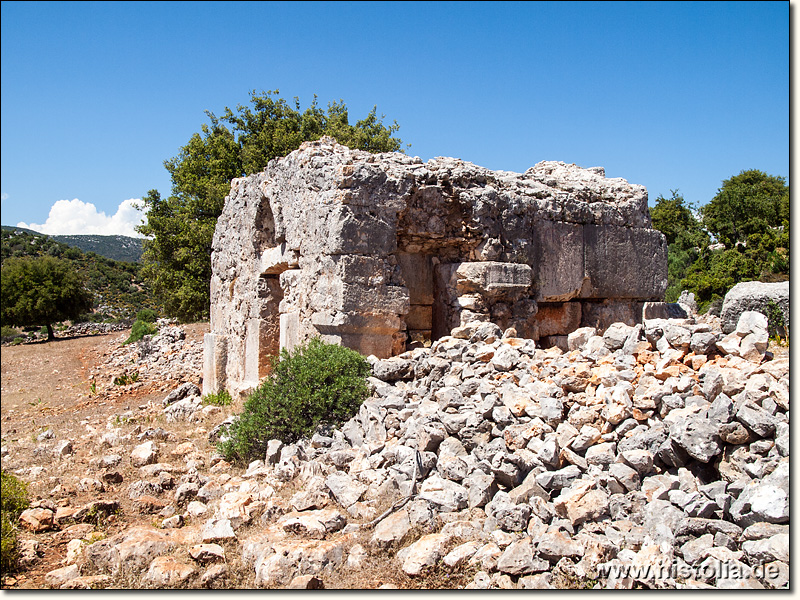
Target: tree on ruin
{"x": 177, "y": 257}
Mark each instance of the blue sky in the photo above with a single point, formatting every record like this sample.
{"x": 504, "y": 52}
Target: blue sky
{"x": 95, "y": 96}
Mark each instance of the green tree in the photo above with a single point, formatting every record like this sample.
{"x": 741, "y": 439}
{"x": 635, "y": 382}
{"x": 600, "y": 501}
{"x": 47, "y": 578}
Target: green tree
{"x": 177, "y": 257}
{"x": 41, "y": 291}
{"x": 686, "y": 238}
{"x": 714, "y": 273}
{"x": 674, "y": 217}
{"x": 747, "y": 203}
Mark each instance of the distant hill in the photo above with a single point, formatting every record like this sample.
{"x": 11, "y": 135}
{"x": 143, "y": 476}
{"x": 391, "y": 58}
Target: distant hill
{"x": 115, "y": 247}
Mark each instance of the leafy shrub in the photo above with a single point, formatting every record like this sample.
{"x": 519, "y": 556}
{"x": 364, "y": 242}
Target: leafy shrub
{"x": 7, "y": 332}
{"x": 148, "y": 315}
{"x": 13, "y": 500}
{"x": 319, "y": 384}
{"x": 776, "y": 322}
{"x": 223, "y": 398}
{"x": 126, "y": 379}
{"x": 139, "y": 330}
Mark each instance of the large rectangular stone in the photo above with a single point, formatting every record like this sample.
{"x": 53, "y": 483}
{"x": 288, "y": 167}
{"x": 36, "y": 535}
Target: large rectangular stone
{"x": 417, "y": 271}
{"x": 290, "y": 331}
{"x": 253, "y": 350}
{"x": 493, "y": 279}
{"x": 215, "y": 359}
{"x": 558, "y": 319}
{"x": 602, "y": 314}
{"x": 342, "y": 229}
{"x": 420, "y": 317}
{"x": 383, "y": 299}
{"x": 622, "y": 262}
{"x": 663, "y": 310}
{"x": 557, "y": 260}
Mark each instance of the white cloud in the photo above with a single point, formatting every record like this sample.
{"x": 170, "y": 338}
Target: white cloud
{"x": 3, "y": 196}
{"x": 74, "y": 217}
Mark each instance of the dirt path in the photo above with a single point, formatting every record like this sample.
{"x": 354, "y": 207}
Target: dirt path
{"x": 43, "y": 382}
{"x": 48, "y": 385}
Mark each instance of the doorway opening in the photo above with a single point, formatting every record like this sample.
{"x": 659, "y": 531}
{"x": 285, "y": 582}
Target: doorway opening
{"x": 425, "y": 321}
{"x": 270, "y": 295}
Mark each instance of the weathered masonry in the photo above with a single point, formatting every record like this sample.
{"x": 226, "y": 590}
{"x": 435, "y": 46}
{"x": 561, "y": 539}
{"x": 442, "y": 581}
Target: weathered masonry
{"x": 382, "y": 252}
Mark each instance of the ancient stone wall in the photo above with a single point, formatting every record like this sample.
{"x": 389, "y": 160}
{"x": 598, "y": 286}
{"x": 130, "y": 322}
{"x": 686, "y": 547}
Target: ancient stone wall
{"x": 382, "y": 252}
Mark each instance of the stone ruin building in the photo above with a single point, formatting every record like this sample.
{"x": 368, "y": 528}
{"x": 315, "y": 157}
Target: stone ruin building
{"x": 383, "y": 253}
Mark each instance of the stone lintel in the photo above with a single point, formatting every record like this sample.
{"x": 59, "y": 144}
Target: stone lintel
{"x": 493, "y": 279}
{"x": 278, "y": 259}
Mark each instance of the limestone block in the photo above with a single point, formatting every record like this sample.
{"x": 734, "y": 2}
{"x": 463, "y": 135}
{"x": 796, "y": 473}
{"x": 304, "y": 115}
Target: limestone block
{"x": 493, "y": 279}
{"x": 417, "y": 271}
{"x": 255, "y": 358}
{"x": 663, "y": 310}
{"x": 278, "y": 259}
{"x": 382, "y": 346}
{"x": 420, "y": 317}
{"x": 348, "y": 230}
{"x": 423, "y": 553}
{"x": 378, "y": 299}
{"x": 558, "y": 319}
{"x": 557, "y": 259}
{"x": 753, "y": 295}
{"x": 623, "y": 262}
{"x": 289, "y": 335}
{"x": 356, "y": 322}
{"x": 602, "y": 314}
{"x": 215, "y": 358}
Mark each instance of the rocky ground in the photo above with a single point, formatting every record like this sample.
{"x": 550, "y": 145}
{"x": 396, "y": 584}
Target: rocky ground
{"x": 651, "y": 456}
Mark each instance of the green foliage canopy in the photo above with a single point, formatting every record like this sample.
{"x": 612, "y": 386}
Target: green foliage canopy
{"x": 117, "y": 286}
{"x": 177, "y": 258}
{"x": 747, "y": 203}
{"x": 675, "y": 218}
{"x": 42, "y": 291}
{"x": 749, "y": 216}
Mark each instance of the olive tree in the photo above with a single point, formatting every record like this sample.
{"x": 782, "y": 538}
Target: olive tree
{"x": 41, "y": 291}
{"x": 180, "y": 227}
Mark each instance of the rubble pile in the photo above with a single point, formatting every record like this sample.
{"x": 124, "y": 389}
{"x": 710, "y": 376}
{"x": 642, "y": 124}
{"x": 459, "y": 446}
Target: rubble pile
{"x": 654, "y": 455}
{"x": 94, "y": 328}
{"x": 165, "y": 356}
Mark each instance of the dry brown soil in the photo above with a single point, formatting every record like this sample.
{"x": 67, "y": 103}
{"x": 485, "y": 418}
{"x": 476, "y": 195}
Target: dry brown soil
{"x": 46, "y": 385}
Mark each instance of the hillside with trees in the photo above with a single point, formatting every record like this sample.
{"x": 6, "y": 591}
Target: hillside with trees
{"x": 742, "y": 234}
{"x": 177, "y": 258}
{"x": 117, "y": 288}
{"x": 121, "y": 248}
{"x": 116, "y": 247}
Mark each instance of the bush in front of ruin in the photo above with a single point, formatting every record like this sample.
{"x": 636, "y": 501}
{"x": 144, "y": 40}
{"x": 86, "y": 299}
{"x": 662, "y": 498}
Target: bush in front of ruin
{"x": 144, "y": 325}
{"x": 317, "y": 384}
